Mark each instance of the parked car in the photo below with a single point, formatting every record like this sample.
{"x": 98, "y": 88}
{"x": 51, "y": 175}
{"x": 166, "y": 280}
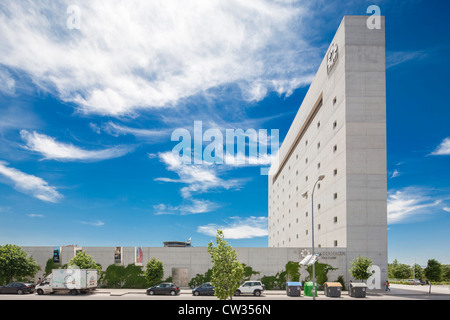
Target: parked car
{"x": 206, "y": 289}
{"x": 415, "y": 281}
{"x": 17, "y": 288}
{"x": 250, "y": 287}
{"x": 164, "y": 288}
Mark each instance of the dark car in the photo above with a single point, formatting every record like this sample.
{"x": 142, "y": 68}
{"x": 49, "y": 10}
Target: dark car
{"x": 17, "y": 288}
{"x": 206, "y": 289}
{"x": 164, "y": 288}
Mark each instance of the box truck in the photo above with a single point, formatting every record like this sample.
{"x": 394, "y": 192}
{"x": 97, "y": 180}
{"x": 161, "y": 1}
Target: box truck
{"x": 73, "y": 281}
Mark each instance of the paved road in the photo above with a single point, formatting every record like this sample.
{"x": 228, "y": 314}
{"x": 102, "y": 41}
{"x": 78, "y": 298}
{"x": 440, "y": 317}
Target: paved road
{"x": 398, "y": 292}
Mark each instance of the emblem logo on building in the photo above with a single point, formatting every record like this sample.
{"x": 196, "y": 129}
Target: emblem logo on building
{"x": 332, "y": 57}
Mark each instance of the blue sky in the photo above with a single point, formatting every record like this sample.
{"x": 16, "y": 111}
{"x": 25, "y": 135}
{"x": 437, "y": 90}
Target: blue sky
{"x": 90, "y": 96}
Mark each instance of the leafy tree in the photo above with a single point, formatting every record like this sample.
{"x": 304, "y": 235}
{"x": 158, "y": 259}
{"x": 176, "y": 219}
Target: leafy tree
{"x": 433, "y": 272}
{"x": 248, "y": 272}
{"x": 292, "y": 271}
{"x": 446, "y": 272}
{"x": 15, "y": 262}
{"x": 227, "y": 272}
{"x": 322, "y": 270}
{"x": 84, "y": 261}
{"x": 154, "y": 271}
{"x": 270, "y": 282}
{"x": 135, "y": 277}
{"x": 418, "y": 271}
{"x": 402, "y": 271}
{"x": 114, "y": 276}
{"x": 49, "y": 266}
{"x": 360, "y": 268}
{"x": 199, "y": 279}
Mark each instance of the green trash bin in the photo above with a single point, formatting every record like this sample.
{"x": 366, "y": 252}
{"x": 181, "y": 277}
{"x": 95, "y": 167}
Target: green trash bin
{"x": 308, "y": 289}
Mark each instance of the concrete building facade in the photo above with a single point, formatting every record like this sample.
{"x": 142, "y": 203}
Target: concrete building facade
{"x": 182, "y": 264}
{"x": 340, "y": 132}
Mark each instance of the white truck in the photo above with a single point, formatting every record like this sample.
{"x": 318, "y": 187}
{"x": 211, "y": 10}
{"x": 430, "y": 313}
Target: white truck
{"x": 73, "y": 281}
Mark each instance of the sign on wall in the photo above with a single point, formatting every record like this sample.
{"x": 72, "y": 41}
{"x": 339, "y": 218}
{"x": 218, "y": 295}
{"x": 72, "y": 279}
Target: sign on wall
{"x": 139, "y": 257}
{"x": 56, "y": 254}
{"x": 118, "y": 255}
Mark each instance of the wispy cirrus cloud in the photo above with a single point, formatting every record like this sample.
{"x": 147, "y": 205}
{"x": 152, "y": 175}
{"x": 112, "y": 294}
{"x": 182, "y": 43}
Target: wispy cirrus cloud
{"x": 35, "y": 215}
{"x": 409, "y": 204}
{"x": 54, "y": 150}
{"x": 29, "y": 184}
{"x": 93, "y": 223}
{"x": 169, "y": 51}
{"x": 193, "y": 206}
{"x": 238, "y": 228}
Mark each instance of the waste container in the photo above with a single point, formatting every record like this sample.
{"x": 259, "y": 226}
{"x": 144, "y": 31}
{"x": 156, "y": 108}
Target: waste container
{"x": 308, "y": 289}
{"x": 357, "y": 290}
{"x": 332, "y": 289}
{"x": 293, "y": 289}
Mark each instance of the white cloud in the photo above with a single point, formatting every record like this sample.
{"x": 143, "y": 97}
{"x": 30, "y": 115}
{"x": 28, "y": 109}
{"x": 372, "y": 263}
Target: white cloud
{"x": 396, "y": 58}
{"x": 54, "y": 150}
{"x": 194, "y": 207}
{"x": 7, "y": 82}
{"x": 94, "y": 224}
{"x": 134, "y": 55}
{"x": 447, "y": 209}
{"x": 395, "y": 174}
{"x": 34, "y": 215}
{"x": 30, "y": 184}
{"x": 146, "y": 134}
{"x": 443, "y": 149}
{"x": 239, "y": 228}
{"x": 409, "y": 204}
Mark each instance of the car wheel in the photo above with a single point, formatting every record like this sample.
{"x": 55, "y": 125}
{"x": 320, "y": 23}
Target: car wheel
{"x": 257, "y": 293}
{"x": 173, "y": 293}
{"x": 196, "y": 293}
{"x": 40, "y": 292}
{"x": 151, "y": 293}
{"x": 19, "y": 291}
{"x": 237, "y": 293}
{"x": 74, "y": 292}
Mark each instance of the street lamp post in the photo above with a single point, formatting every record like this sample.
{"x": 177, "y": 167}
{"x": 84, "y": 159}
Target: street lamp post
{"x": 320, "y": 178}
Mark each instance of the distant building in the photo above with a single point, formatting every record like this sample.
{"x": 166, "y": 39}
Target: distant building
{"x": 178, "y": 244}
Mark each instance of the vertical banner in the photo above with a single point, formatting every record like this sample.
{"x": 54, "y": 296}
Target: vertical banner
{"x": 139, "y": 257}
{"x": 118, "y": 255}
{"x": 56, "y": 254}
{"x": 77, "y": 250}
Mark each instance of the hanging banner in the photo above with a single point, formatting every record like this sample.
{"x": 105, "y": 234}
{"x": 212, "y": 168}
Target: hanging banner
{"x": 56, "y": 254}
{"x": 118, "y": 255}
{"x": 139, "y": 257}
{"x": 77, "y": 250}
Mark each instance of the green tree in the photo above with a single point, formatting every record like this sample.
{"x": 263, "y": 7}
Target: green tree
{"x": 227, "y": 272}
{"x": 114, "y": 276}
{"x": 322, "y": 270}
{"x": 292, "y": 271}
{"x": 402, "y": 271}
{"x": 154, "y": 271}
{"x": 200, "y": 279}
{"x": 248, "y": 272}
{"x": 49, "y": 266}
{"x": 433, "y": 272}
{"x": 360, "y": 268}
{"x": 15, "y": 262}
{"x": 446, "y": 272}
{"x": 84, "y": 261}
{"x": 135, "y": 277}
{"x": 418, "y": 271}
